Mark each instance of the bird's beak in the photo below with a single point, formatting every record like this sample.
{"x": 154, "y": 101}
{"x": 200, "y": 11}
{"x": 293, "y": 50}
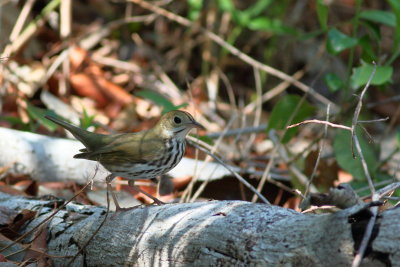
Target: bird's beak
{"x": 198, "y": 125}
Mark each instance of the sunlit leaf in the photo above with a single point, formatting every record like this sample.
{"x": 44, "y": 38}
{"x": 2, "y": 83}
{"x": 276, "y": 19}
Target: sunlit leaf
{"x": 338, "y": 41}
{"x": 195, "y": 7}
{"x": 38, "y": 114}
{"x": 322, "y": 13}
{"x": 86, "y": 120}
{"x": 226, "y": 5}
{"x": 257, "y": 8}
{"x": 361, "y": 75}
{"x": 159, "y": 100}
{"x": 379, "y": 16}
{"x": 269, "y": 25}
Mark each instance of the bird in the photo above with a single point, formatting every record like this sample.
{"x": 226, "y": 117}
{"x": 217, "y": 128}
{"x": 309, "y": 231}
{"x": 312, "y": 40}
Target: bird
{"x": 139, "y": 155}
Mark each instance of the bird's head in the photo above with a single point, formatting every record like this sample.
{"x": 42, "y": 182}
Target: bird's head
{"x": 177, "y": 123}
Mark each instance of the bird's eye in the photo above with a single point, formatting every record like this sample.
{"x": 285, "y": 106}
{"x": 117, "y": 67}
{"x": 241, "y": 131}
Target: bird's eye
{"x": 177, "y": 120}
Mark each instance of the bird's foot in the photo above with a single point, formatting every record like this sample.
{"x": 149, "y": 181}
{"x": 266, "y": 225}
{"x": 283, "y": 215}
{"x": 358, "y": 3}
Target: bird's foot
{"x": 119, "y": 209}
{"x": 157, "y": 202}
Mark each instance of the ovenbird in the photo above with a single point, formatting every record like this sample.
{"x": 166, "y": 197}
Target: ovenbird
{"x": 141, "y": 155}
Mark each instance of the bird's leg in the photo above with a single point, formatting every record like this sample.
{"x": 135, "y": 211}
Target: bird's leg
{"x": 131, "y": 183}
{"x": 109, "y": 178}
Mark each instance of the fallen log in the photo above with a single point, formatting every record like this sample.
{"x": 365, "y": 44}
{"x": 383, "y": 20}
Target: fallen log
{"x": 214, "y": 233}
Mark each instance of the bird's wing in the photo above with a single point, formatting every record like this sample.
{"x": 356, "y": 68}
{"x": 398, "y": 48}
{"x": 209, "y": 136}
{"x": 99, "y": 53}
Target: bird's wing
{"x": 127, "y": 147}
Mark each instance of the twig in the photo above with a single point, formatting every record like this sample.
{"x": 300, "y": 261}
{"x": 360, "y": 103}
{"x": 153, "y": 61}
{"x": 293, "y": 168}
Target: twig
{"x": 375, "y": 197}
{"x": 271, "y": 93}
{"x": 385, "y": 101}
{"x": 234, "y": 51}
{"x": 373, "y": 121}
{"x": 319, "y": 153}
{"x": 240, "y": 178}
{"x": 23, "y": 15}
{"x": 321, "y": 122}
{"x": 33, "y": 27}
{"x": 212, "y": 151}
{"x": 382, "y": 183}
{"x": 353, "y": 132}
{"x": 296, "y": 172}
{"x": 278, "y": 149}
{"x": 47, "y": 219}
{"x": 266, "y": 176}
{"x": 387, "y": 189}
{"x": 229, "y": 89}
{"x": 306, "y": 149}
{"x": 90, "y": 40}
{"x": 247, "y": 130}
{"x": 367, "y": 235}
{"x": 258, "y": 113}
{"x": 95, "y": 232}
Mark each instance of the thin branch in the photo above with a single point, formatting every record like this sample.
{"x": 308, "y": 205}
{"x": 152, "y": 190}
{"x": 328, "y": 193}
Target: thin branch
{"x": 236, "y": 52}
{"x": 373, "y": 121}
{"x": 212, "y": 151}
{"x": 388, "y": 189}
{"x": 271, "y": 93}
{"x": 353, "y": 132}
{"x": 240, "y": 178}
{"x": 232, "y": 132}
{"x": 334, "y": 125}
{"x": 296, "y": 172}
{"x": 368, "y": 231}
{"x": 367, "y": 235}
{"x": 32, "y": 28}
{"x": 46, "y": 219}
{"x": 95, "y": 232}
{"x": 319, "y": 153}
{"x": 359, "y": 106}
{"x": 257, "y": 117}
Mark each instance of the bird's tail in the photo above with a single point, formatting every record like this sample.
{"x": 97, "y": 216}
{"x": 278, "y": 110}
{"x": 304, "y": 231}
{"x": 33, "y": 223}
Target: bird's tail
{"x": 80, "y": 134}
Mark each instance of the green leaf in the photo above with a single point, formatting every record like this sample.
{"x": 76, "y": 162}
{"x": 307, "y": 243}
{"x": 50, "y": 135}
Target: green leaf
{"x": 178, "y": 107}
{"x": 361, "y": 75}
{"x": 86, "y": 121}
{"x": 333, "y": 82}
{"x": 374, "y": 30}
{"x": 159, "y": 100}
{"x": 259, "y": 7}
{"x": 205, "y": 139}
{"x": 338, "y": 41}
{"x": 368, "y": 54}
{"x": 379, "y": 16}
{"x": 195, "y": 7}
{"x": 344, "y": 157}
{"x": 226, "y": 5}
{"x": 15, "y": 122}
{"x": 395, "y": 5}
{"x": 38, "y": 114}
{"x": 282, "y": 112}
{"x": 322, "y": 13}
{"x": 241, "y": 18}
{"x": 269, "y": 25}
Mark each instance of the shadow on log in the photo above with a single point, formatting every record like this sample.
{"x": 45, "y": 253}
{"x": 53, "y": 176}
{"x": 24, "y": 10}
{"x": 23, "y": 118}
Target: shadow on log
{"x": 215, "y": 233}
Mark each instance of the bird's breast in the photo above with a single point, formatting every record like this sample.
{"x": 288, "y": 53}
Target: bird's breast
{"x": 173, "y": 153}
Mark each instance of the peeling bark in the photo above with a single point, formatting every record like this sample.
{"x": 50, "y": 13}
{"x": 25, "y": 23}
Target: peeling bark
{"x": 215, "y": 233}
